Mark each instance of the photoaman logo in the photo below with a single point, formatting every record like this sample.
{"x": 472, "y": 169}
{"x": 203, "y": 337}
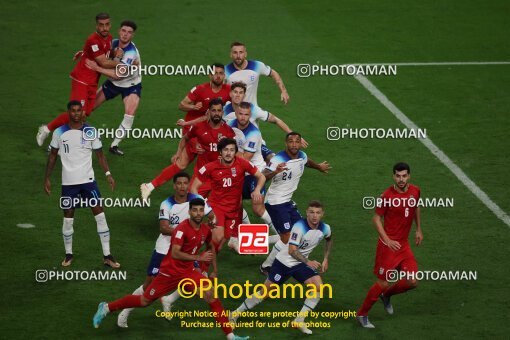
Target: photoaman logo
{"x": 253, "y": 239}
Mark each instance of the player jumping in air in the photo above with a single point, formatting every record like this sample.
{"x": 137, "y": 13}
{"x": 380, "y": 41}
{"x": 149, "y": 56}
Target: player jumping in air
{"x": 128, "y": 84}
{"x": 293, "y": 261}
{"x": 187, "y": 238}
{"x": 83, "y": 79}
{"x": 78, "y": 179}
{"x": 207, "y": 134}
{"x": 393, "y": 223}
{"x": 285, "y": 169}
{"x": 249, "y": 71}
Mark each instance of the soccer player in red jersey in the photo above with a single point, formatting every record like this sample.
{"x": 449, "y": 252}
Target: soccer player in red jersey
{"x": 83, "y": 79}
{"x": 226, "y": 176}
{"x": 187, "y": 239}
{"x": 196, "y": 102}
{"x": 208, "y": 134}
{"x": 394, "y": 215}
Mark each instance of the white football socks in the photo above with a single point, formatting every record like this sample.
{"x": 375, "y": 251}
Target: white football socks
{"x": 120, "y": 133}
{"x": 246, "y": 218}
{"x": 103, "y": 232}
{"x": 308, "y": 306}
{"x": 67, "y": 234}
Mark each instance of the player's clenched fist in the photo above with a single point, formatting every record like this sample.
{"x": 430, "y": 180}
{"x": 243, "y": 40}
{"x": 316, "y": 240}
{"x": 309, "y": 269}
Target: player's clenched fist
{"x": 206, "y": 256}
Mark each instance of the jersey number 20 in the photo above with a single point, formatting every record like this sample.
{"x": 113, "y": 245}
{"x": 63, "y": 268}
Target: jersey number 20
{"x": 227, "y": 182}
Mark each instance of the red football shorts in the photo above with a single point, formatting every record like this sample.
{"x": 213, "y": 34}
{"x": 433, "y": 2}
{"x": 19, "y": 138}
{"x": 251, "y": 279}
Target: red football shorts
{"x": 191, "y": 149}
{"x": 164, "y": 284}
{"x": 229, "y": 220}
{"x": 86, "y": 94}
{"x": 389, "y": 260}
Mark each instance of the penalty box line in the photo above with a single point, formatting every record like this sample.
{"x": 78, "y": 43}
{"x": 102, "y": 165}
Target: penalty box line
{"x": 454, "y": 168}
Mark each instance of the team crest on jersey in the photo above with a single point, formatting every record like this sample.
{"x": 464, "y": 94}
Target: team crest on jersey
{"x": 220, "y": 137}
{"x": 381, "y": 270}
{"x": 234, "y": 174}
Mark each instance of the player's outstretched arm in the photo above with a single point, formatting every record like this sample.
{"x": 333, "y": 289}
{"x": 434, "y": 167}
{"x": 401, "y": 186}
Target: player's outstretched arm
{"x": 52, "y": 159}
{"x": 322, "y": 167}
{"x": 378, "y": 224}
{"x": 165, "y": 228}
{"x": 105, "y": 62}
{"x": 256, "y": 196}
{"x": 327, "y": 250}
{"x": 104, "y": 165}
{"x": 111, "y": 73}
{"x": 278, "y": 80}
{"x": 417, "y": 220}
{"x": 195, "y": 185}
{"x": 182, "y": 122}
{"x": 214, "y": 264}
{"x": 282, "y": 125}
{"x": 270, "y": 174}
{"x": 187, "y": 105}
{"x": 296, "y": 254}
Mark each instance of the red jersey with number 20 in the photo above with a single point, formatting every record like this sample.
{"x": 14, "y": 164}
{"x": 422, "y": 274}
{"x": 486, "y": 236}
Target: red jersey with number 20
{"x": 398, "y": 210}
{"x": 190, "y": 240}
{"x": 227, "y": 182}
{"x": 208, "y": 139}
{"x": 95, "y": 46}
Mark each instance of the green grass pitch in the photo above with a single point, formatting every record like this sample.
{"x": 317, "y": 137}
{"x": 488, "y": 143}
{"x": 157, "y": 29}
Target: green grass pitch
{"x": 463, "y": 107}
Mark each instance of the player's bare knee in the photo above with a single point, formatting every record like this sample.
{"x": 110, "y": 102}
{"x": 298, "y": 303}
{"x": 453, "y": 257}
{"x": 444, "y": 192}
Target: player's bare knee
{"x": 383, "y": 284}
{"x": 144, "y": 301}
{"x": 413, "y": 283}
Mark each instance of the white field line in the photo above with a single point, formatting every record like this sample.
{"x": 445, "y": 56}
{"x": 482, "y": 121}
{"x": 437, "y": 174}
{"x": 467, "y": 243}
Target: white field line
{"x": 482, "y": 196}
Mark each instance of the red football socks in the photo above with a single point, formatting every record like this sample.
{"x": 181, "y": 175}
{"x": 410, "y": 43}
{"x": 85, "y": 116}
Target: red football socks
{"x": 400, "y": 287}
{"x": 372, "y": 296}
{"x": 61, "y": 119}
{"x": 128, "y": 301}
{"x": 165, "y": 175}
{"x": 221, "y": 317}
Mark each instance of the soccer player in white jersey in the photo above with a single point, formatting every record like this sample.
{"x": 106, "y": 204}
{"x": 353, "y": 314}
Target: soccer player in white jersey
{"x": 124, "y": 80}
{"x": 249, "y": 142}
{"x": 293, "y": 261}
{"x": 285, "y": 169}
{"x": 249, "y": 71}
{"x": 173, "y": 211}
{"x": 74, "y": 145}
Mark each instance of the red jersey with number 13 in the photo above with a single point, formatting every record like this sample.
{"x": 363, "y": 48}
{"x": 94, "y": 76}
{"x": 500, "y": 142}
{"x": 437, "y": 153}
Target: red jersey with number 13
{"x": 227, "y": 182}
{"x": 398, "y": 210}
{"x": 208, "y": 139}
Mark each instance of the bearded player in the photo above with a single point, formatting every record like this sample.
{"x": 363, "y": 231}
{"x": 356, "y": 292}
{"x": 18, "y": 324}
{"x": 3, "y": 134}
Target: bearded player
{"x": 393, "y": 223}
{"x": 187, "y": 239}
{"x": 208, "y": 135}
{"x": 83, "y": 79}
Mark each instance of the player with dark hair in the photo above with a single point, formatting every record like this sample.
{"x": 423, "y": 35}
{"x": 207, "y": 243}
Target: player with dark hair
{"x": 249, "y": 71}
{"x": 226, "y": 177}
{"x": 208, "y": 134}
{"x": 78, "y": 182}
{"x": 196, "y": 102}
{"x": 293, "y": 261}
{"x": 285, "y": 170}
{"x": 393, "y": 223}
{"x": 173, "y": 211}
{"x": 187, "y": 239}
{"x": 83, "y": 79}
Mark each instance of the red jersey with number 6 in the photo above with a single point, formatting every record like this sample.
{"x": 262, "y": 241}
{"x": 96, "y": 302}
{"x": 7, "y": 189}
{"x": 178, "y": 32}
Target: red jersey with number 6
{"x": 208, "y": 139}
{"x": 227, "y": 182}
{"x": 398, "y": 210}
{"x": 190, "y": 240}
{"x": 95, "y": 46}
